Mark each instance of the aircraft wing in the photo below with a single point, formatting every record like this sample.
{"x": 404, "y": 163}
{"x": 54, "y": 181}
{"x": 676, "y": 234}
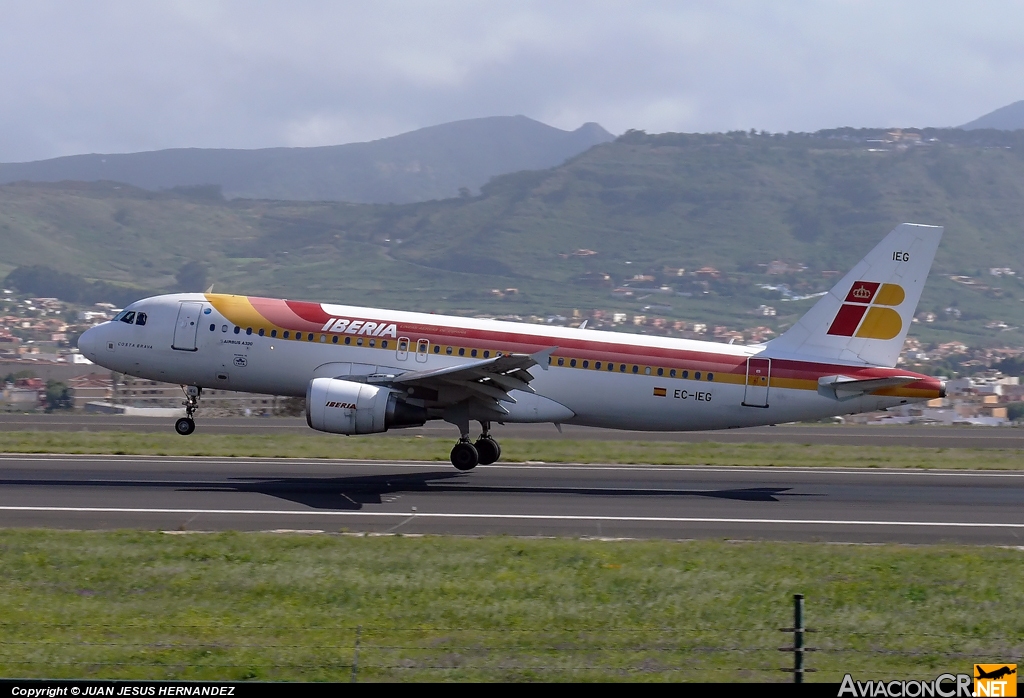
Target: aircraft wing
{"x": 844, "y": 387}
{"x": 491, "y": 379}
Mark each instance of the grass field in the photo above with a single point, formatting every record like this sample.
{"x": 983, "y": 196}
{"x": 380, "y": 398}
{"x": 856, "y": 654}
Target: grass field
{"x": 267, "y": 606}
{"x": 547, "y": 450}
{"x": 280, "y": 607}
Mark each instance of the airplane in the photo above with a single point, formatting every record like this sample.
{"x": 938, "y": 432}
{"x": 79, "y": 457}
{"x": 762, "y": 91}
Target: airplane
{"x": 366, "y": 370}
{"x": 995, "y": 674}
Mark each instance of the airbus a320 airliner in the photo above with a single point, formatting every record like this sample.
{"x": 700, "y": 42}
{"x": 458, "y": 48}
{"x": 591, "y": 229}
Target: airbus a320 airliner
{"x": 364, "y": 370}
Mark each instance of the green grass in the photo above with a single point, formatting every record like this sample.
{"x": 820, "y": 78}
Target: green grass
{"x": 513, "y": 450}
{"x": 286, "y": 607}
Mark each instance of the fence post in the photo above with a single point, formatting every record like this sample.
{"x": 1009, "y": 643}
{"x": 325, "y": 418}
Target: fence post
{"x": 798, "y": 638}
{"x": 798, "y": 649}
{"x": 355, "y": 655}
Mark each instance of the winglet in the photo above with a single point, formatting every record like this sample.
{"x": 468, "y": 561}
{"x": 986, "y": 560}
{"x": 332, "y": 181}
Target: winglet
{"x": 543, "y": 358}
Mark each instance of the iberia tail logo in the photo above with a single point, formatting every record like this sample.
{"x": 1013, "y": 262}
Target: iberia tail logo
{"x": 867, "y": 311}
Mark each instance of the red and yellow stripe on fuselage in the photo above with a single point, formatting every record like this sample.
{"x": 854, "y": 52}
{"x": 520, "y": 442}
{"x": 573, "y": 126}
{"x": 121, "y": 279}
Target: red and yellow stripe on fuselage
{"x": 590, "y": 351}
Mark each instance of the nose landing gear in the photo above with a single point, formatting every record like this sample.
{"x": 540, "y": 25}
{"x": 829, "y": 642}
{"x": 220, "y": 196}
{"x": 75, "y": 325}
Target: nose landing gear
{"x": 186, "y": 425}
{"x": 466, "y": 455}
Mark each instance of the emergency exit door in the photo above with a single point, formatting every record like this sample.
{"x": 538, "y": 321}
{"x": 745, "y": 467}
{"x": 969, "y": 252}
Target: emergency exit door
{"x": 402, "y": 353}
{"x": 755, "y": 393}
{"x": 187, "y": 326}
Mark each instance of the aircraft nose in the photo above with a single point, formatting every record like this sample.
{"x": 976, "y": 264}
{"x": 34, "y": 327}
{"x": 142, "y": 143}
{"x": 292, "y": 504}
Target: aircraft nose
{"x": 89, "y": 343}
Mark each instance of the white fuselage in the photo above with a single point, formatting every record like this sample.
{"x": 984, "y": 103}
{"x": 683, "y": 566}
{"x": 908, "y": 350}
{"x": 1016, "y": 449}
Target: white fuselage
{"x": 703, "y": 385}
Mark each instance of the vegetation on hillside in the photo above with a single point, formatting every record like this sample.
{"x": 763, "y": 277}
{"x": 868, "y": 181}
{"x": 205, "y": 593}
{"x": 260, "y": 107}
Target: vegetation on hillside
{"x": 643, "y": 206}
{"x": 428, "y": 163}
{"x": 46, "y": 282}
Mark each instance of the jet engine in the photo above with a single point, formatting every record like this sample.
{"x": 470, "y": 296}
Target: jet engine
{"x": 346, "y": 407}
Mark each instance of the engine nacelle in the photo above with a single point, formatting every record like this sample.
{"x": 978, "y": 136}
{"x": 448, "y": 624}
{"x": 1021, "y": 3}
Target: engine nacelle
{"x": 346, "y": 407}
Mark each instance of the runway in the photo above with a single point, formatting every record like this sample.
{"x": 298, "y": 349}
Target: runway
{"x": 673, "y": 502}
{"x": 841, "y": 435}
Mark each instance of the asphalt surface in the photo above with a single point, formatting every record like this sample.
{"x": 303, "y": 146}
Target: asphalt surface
{"x": 674, "y": 502}
{"x": 845, "y": 435}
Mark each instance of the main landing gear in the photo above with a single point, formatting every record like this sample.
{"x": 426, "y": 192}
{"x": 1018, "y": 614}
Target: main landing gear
{"x": 186, "y": 425}
{"x": 467, "y": 455}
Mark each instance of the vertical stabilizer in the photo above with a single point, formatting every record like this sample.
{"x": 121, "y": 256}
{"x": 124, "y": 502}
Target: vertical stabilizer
{"x": 865, "y": 317}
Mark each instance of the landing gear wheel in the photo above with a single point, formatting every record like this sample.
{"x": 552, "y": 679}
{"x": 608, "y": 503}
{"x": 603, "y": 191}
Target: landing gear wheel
{"x": 465, "y": 456}
{"x": 488, "y": 449}
{"x": 185, "y": 426}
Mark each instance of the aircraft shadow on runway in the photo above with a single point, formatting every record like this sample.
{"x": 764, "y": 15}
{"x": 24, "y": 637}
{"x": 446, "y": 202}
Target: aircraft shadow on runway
{"x": 352, "y": 493}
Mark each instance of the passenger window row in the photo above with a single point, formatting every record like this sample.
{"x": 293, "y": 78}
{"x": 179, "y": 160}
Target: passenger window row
{"x": 303, "y": 336}
{"x": 463, "y": 351}
{"x": 630, "y": 368}
{"x": 449, "y": 350}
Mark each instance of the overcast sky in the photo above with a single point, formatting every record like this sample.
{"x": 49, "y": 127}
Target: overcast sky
{"x": 109, "y": 76}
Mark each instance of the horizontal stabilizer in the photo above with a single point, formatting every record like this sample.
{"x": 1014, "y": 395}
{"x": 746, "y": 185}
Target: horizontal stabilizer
{"x": 844, "y": 387}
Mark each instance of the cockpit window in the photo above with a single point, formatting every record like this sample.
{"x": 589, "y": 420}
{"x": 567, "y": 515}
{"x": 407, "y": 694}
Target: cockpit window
{"x": 128, "y": 318}
{"x": 140, "y": 319}
{"x": 120, "y": 315}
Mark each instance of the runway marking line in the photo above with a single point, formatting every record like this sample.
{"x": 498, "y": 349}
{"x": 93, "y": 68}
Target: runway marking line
{"x": 524, "y": 517}
{"x": 762, "y": 469}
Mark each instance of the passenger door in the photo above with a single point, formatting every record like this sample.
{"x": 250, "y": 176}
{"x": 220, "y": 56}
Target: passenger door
{"x": 187, "y": 326}
{"x": 755, "y": 393}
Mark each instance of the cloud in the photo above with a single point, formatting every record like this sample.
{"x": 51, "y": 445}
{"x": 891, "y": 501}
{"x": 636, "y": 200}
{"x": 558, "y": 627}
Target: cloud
{"x": 115, "y": 76}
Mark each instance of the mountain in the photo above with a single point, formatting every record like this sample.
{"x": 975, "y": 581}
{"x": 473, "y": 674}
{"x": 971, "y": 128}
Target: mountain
{"x": 633, "y": 211}
{"x": 430, "y": 163}
{"x": 1008, "y": 118}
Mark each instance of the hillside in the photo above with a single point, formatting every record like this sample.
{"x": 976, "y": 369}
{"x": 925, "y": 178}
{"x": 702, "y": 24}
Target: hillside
{"x": 430, "y": 163}
{"x": 1008, "y": 118}
{"x": 644, "y": 205}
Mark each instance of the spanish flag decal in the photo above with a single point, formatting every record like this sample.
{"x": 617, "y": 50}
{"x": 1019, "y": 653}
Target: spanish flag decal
{"x": 660, "y": 392}
{"x": 863, "y": 313}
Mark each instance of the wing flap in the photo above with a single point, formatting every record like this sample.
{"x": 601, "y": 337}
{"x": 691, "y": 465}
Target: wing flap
{"x": 488, "y": 380}
{"x": 510, "y": 382}
{"x": 483, "y": 389}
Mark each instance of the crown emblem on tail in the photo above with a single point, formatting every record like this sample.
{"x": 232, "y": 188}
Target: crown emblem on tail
{"x": 862, "y": 316}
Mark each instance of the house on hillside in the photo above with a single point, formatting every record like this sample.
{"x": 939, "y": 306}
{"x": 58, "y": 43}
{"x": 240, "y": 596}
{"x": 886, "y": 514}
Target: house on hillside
{"x": 779, "y": 267}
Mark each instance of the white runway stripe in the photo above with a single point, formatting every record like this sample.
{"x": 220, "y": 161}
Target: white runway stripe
{"x": 520, "y": 517}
